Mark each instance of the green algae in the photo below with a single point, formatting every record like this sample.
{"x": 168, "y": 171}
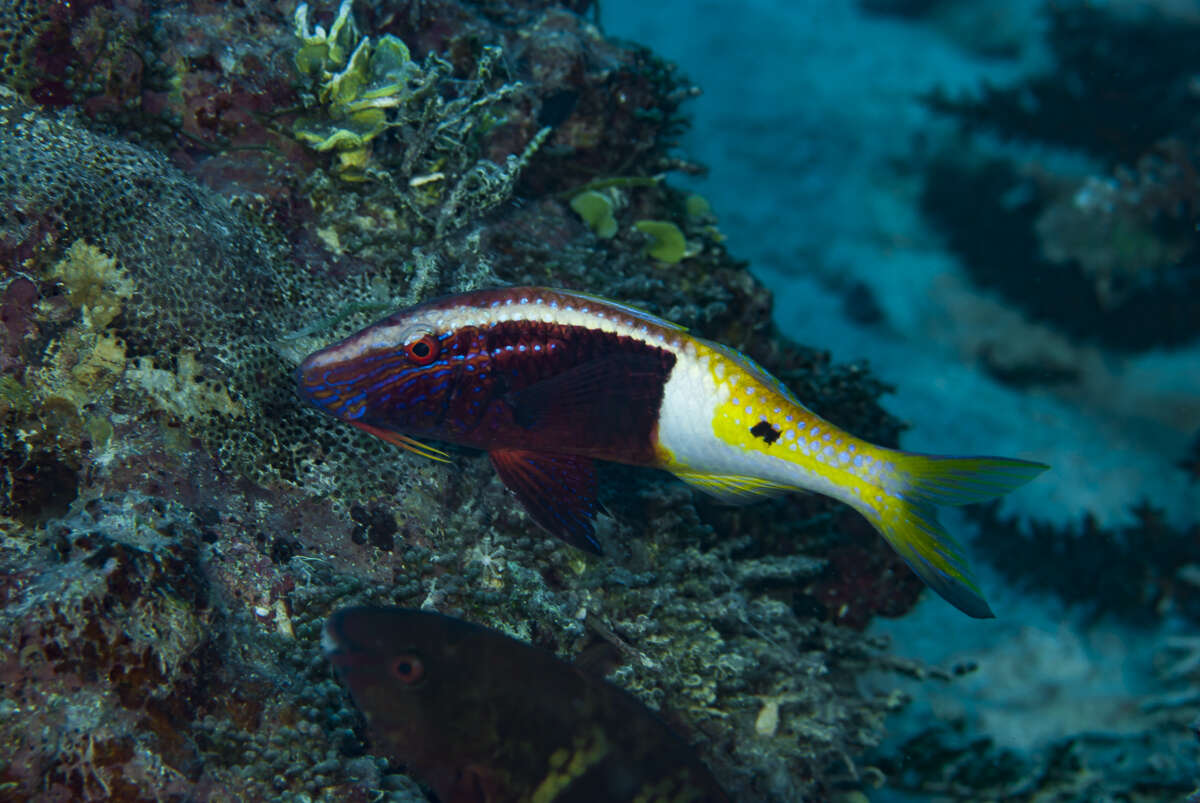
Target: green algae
{"x": 667, "y": 243}
{"x": 353, "y": 87}
{"x": 596, "y": 209}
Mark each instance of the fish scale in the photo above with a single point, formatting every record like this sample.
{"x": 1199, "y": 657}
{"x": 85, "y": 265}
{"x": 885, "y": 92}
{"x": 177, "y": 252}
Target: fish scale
{"x": 548, "y": 381}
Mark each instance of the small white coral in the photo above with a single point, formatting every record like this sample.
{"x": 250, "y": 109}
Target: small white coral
{"x": 488, "y": 556}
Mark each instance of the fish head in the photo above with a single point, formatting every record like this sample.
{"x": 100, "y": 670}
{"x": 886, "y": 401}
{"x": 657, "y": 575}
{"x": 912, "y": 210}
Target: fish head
{"x": 411, "y": 675}
{"x": 393, "y": 375}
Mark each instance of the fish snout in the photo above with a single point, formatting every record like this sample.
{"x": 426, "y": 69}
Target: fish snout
{"x": 341, "y": 651}
{"x": 314, "y": 385}
{"x": 331, "y": 643}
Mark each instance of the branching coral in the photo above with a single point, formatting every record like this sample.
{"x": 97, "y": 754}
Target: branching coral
{"x": 1114, "y": 248}
{"x": 1133, "y": 229}
{"x": 1148, "y": 566}
{"x": 1114, "y": 66}
{"x": 1191, "y": 463}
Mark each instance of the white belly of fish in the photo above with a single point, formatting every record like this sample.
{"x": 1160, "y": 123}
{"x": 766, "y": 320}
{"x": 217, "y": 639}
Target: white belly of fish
{"x": 685, "y": 428}
{"x": 692, "y": 397}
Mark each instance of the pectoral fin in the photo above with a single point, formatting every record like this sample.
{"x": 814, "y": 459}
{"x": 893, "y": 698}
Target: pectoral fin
{"x": 610, "y": 402}
{"x": 557, "y": 490}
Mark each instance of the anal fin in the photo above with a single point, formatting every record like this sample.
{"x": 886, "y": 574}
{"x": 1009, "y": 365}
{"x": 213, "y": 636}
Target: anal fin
{"x": 734, "y": 489}
{"x": 557, "y": 490}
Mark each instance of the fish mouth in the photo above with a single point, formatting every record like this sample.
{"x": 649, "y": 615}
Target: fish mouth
{"x": 330, "y": 642}
{"x": 312, "y": 385}
{"x": 337, "y": 649}
{"x": 308, "y": 378}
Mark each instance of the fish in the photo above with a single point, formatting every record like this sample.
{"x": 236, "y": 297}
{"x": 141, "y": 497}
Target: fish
{"x": 549, "y": 381}
{"x": 480, "y": 717}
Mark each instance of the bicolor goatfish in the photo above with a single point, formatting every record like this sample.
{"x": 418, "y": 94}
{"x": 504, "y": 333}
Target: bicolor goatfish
{"x": 548, "y": 381}
{"x": 483, "y": 718}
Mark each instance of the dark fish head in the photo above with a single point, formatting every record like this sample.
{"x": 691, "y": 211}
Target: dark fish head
{"x": 405, "y": 672}
{"x": 392, "y": 375}
{"x": 396, "y": 657}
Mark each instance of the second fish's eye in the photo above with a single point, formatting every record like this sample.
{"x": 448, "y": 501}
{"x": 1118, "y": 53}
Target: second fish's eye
{"x": 422, "y": 351}
{"x": 408, "y": 668}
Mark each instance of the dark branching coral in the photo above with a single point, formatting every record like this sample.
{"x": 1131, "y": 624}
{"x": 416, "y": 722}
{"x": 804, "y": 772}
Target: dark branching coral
{"x": 1191, "y": 463}
{"x": 940, "y": 763}
{"x": 1144, "y": 570}
{"x": 1112, "y": 257}
{"x": 1122, "y": 83}
{"x": 991, "y": 212}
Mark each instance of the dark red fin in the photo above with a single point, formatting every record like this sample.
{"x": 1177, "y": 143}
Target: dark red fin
{"x": 612, "y": 402}
{"x": 557, "y": 490}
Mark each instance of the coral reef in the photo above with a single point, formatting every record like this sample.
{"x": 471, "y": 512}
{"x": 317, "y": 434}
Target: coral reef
{"x": 176, "y": 524}
{"x": 1106, "y": 251}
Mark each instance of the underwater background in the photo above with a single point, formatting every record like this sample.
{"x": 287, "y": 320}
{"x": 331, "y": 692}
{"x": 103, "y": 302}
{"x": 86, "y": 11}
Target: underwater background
{"x": 957, "y": 227}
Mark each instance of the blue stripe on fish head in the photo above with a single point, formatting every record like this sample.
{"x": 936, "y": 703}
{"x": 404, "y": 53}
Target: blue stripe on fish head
{"x": 382, "y": 385}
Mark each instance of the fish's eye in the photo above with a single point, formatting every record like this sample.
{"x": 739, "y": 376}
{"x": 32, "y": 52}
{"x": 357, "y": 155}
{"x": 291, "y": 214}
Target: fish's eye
{"x": 407, "y": 668}
{"x": 423, "y": 351}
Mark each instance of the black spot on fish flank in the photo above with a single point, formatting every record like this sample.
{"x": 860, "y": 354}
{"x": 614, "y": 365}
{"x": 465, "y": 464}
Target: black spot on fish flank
{"x": 766, "y": 431}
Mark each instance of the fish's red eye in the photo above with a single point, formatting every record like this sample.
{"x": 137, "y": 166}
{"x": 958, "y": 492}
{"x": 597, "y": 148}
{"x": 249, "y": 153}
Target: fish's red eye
{"x": 408, "y": 668}
{"x": 423, "y": 351}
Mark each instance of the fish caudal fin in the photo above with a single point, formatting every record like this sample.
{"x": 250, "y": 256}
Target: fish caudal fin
{"x": 912, "y": 528}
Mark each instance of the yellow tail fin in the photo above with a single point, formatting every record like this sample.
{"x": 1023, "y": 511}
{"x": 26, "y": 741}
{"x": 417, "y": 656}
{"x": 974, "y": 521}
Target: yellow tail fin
{"x": 912, "y": 528}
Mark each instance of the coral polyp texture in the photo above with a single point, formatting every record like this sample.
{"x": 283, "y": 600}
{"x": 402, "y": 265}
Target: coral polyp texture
{"x": 175, "y": 525}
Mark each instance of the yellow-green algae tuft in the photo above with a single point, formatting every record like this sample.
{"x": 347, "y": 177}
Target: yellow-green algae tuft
{"x": 86, "y": 360}
{"x": 596, "y": 209}
{"x": 184, "y": 393}
{"x": 667, "y": 243}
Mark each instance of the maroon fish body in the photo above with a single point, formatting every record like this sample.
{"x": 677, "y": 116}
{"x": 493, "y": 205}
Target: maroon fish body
{"x": 543, "y": 396}
{"x": 519, "y": 384}
{"x": 483, "y": 718}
